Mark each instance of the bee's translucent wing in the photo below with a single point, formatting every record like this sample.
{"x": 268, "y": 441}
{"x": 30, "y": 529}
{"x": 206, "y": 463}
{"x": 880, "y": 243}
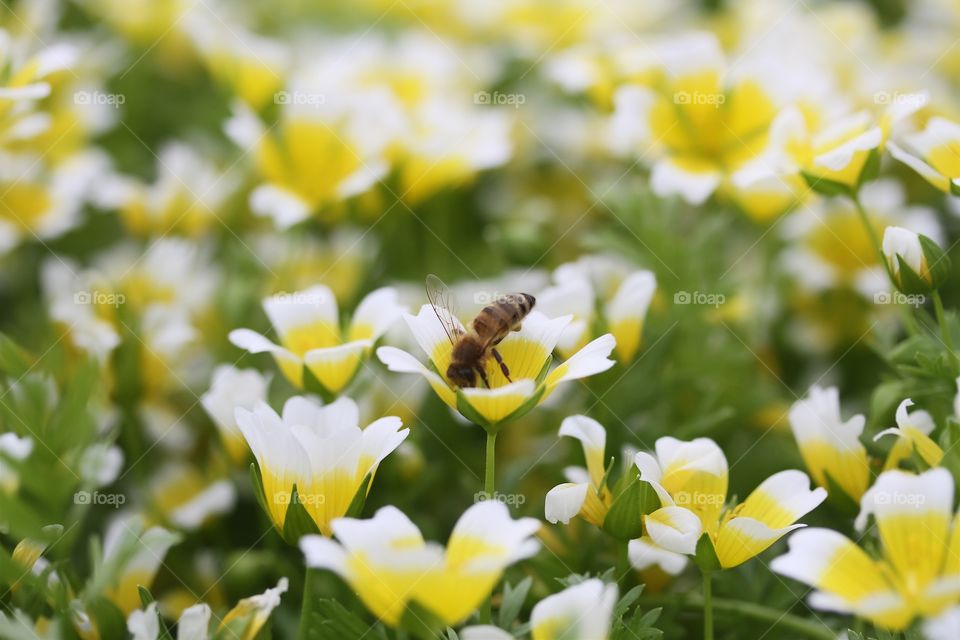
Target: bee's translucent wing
{"x": 444, "y": 305}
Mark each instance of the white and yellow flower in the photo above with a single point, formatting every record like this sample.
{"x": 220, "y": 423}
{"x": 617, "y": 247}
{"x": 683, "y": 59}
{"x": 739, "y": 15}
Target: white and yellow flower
{"x": 308, "y": 325}
{"x": 135, "y": 554}
{"x": 526, "y": 352}
{"x": 583, "y": 610}
{"x": 620, "y": 293}
{"x": 188, "y": 195}
{"x": 934, "y": 153}
{"x": 243, "y": 622}
{"x": 703, "y": 123}
{"x": 912, "y": 433}
{"x": 830, "y": 446}
{"x": 193, "y": 624}
{"x": 252, "y": 613}
{"x": 232, "y": 388}
{"x": 830, "y": 247}
{"x": 389, "y": 565}
{"x": 918, "y": 573}
{"x": 691, "y": 480}
{"x": 310, "y": 162}
{"x": 585, "y": 494}
{"x": 320, "y": 449}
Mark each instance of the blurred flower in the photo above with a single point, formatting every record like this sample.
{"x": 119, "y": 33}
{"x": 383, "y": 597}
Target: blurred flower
{"x": 194, "y": 623}
{"x": 12, "y": 447}
{"x": 912, "y": 433}
{"x": 311, "y": 161}
{"x": 232, "y": 388}
{"x": 252, "y": 613}
{"x": 703, "y": 123}
{"x": 308, "y": 325}
{"x": 583, "y": 610}
{"x": 386, "y": 561}
{"x": 251, "y": 66}
{"x": 100, "y": 464}
{"x": 296, "y": 261}
{"x": 526, "y": 352}
{"x": 622, "y": 295}
{"x": 691, "y": 480}
{"x": 934, "y": 153}
{"x": 243, "y": 622}
{"x": 188, "y": 195}
{"x": 830, "y": 247}
{"x": 186, "y": 499}
{"x": 319, "y": 449}
{"x": 831, "y": 448}
{"x": 586, "y": 494}
{"x": 131, "y": 558}
{"x": 918, "y": 572}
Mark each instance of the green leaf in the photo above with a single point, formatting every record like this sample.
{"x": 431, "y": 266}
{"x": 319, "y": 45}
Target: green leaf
{"x": 14, "y": 360}
{"x": 420, "y": 622}
{"x": 871, "y": 168}
{"x": 827, "y": 187}
{"x": 330, "y": 620}
{"x": 355, "y": 510}
{"x": 624, "y": 521}
{"x": 938, "y": 263}
{"x": 513, "y": 599}
{"x": 706, "y": 556}
{"x": 298, "y": 522}
{"x": 258, "y": 489}
{"x": 840, "y": 499}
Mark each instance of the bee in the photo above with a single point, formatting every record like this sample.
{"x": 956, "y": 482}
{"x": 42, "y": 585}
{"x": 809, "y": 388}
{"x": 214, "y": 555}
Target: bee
{"x": 472, "y": 347}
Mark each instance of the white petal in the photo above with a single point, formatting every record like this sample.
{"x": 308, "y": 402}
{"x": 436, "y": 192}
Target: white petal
{"x": 669, "y": 179}
{"x": 321, "y": 553}
{"x": 585, "y": 429}
{"x": 484, "y": 632}
{"x": 378, "y": 310}
{"x": 564, "y": 502}
{"x": 284, "y": 207}
{"x": 674, "y": 528}
{"x": 644, "y": 553}
{"x": 194, "y": 623}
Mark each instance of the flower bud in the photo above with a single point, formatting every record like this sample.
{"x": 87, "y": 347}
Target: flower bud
{"x": 918, "y": 265}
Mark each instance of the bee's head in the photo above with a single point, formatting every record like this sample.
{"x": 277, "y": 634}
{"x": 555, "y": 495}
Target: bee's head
{"x": 462, "y": 376}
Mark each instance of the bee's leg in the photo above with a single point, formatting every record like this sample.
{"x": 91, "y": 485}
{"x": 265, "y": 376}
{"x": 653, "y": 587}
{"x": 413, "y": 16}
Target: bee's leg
{"x": 483, "y": 376}
{"x": 503, "y": 365}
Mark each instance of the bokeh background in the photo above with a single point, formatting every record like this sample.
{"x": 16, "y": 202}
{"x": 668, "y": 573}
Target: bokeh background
{"x": 166, "y": 164}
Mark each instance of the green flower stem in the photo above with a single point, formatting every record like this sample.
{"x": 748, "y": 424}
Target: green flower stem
{"x": 309, "y": 578}
{"x": 489, "y": 477}
{"x": 796, "y": 625}
{"x": 623, "y": 562}
{"x": 942, "y": 322}
{"x": 865, "y": 219}
{"x": 489, "y": 486}
{"x": 707, "y": 605}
